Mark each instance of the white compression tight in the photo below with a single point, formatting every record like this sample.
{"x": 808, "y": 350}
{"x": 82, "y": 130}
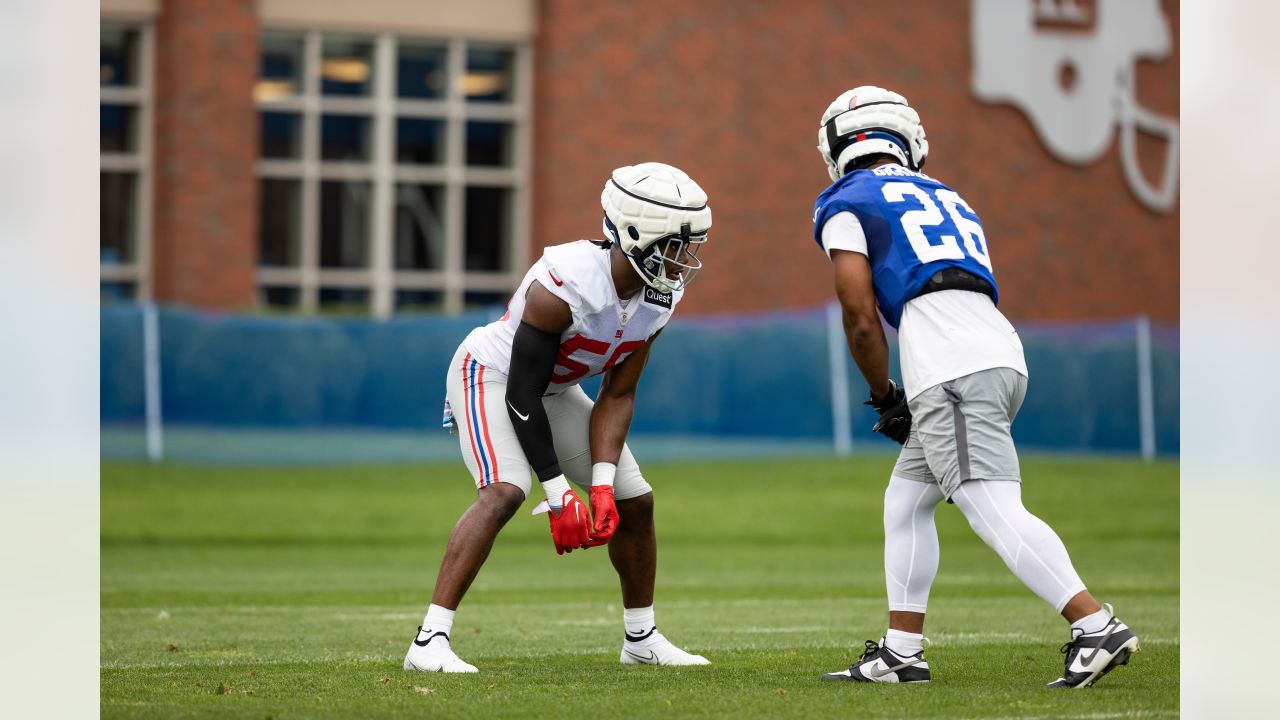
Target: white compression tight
{"x": 1029, "y": 547}
{"x": 910, "y": 542}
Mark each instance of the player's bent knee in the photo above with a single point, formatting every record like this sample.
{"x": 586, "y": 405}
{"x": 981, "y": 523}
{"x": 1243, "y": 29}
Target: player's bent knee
{"x": 637, "y": 508}
{"x": 502, "y": 500}
{"x": 979, "y": 522}
{"x": 982, "y": 530}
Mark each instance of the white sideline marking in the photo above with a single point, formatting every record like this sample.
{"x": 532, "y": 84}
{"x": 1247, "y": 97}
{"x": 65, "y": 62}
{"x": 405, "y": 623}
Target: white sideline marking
{"x": 352, "y": 614}
{"x": 339, "y": 610}
{"x": 376, "y": 616}
{"x": 971, "y": 637}
{"x": 611, "y": 651}
{"x": 1088, "y": 715}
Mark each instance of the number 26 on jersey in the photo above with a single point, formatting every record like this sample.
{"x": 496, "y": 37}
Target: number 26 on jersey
{"x": 932, "y": 235}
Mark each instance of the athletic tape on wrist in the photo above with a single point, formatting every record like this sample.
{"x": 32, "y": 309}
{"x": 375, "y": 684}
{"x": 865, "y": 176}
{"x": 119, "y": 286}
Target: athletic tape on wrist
{"x": 602, "y": 474}
{"x": 555, "y": 488}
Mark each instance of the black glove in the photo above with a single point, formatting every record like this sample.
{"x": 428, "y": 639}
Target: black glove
{"x": 895, "y": 416}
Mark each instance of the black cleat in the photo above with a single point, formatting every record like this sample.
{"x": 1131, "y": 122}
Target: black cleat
{"x": 880, "y": 664}
{"x": 1090, "y": 656}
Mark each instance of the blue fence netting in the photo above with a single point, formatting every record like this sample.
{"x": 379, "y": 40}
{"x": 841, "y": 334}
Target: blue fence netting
{"x": 239, "y": 388}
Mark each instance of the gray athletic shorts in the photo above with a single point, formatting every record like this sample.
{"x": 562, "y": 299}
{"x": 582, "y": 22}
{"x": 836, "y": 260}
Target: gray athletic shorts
{"x": 960, "y": 430}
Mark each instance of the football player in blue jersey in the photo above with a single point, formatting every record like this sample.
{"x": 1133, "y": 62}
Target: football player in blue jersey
{"x": 907, "y": 245}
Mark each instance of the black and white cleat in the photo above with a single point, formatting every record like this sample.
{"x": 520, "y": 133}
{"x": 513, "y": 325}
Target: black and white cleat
{"x": 880, "y": 664}
{"x": 1090, "y": 656}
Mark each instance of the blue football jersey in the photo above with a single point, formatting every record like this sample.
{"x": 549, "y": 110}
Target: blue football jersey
{"x": 915, "y": 226}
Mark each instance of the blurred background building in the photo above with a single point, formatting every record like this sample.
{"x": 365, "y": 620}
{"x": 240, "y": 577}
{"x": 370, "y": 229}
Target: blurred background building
{"x": 390, "y": 156}
{"x": 403, "y": 161}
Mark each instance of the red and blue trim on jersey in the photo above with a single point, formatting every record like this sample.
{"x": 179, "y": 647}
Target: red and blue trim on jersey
{"x": 478, "y": 421}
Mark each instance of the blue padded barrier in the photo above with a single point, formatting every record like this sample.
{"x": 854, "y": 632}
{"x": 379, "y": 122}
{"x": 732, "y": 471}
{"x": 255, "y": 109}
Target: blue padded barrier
{"x": 730, "y": 377}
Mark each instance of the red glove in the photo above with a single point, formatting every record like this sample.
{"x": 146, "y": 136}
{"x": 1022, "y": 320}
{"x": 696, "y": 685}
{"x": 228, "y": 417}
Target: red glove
{"x": 571, "y": 526}
{"x": 605, "y": 513}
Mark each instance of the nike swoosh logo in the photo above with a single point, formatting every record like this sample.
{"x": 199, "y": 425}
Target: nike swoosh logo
{"x": 875, "y": 672}
{"x": 554, "y": 279}
{"x": 638, "y": 638}
{"x": 517, "y": 412}
{"x": 432, "y": 636}
{"x": 652, "y": 658}
{"x": 1087, "y": 660}
{"x": 1111, "y": 628}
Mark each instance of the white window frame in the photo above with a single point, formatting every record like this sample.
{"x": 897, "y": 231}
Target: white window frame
{"x": 383, "y": 107}
{"x": 138, "y": 162}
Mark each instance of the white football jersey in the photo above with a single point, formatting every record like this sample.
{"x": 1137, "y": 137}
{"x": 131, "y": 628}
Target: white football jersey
{"x": 605, "y": 329}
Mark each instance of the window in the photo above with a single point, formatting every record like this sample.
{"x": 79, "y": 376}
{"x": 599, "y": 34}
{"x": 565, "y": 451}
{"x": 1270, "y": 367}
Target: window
{"x": 124, "y": 122}
{"x": 393, "y": 172}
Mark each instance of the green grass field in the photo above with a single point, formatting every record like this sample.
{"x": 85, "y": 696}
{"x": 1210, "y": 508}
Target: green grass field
{"x": 294, "y": 594}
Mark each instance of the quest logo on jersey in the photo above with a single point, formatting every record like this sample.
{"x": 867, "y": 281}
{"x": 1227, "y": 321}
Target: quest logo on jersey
{"x": 656, "y": 298}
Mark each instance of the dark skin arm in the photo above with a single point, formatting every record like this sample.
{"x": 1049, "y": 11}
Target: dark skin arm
{"x": 611, "y": 417}
{"x": 529, "y": 378}
{"x": 546, "y": 311}
{"x": 862, "y": 326}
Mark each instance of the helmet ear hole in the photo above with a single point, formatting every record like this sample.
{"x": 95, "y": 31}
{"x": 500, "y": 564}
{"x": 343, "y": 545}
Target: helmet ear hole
{"x": 653, "y": 262}
{"x": 633, "y": 232}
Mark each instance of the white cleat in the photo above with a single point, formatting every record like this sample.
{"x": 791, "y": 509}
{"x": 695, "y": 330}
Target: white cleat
{"x": 654, "y": 649}
{"x": 430, "y": 652}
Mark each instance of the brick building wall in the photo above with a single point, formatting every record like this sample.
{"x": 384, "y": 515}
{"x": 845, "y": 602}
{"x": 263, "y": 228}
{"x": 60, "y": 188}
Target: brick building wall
{"x": 732, "y": 92}
{"x": 206, "y": 149}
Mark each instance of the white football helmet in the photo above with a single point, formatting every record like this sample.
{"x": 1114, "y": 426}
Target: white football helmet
{"x": 870, "y": 120}
{"x": 1071, "y": 69}
{"x": 659, "y": 217}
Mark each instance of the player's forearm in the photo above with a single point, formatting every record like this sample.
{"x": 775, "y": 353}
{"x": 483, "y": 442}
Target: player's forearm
{"x": 533, "y": 354}
{"x": 870, "y": 351}
{"x": 610, "y": 420}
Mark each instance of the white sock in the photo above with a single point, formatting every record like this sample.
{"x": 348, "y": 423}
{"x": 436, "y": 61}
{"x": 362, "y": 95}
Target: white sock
{"x": 638, "y": 623}
{"x": 1092, "y": 623}
{"x": 438, "y": 619}
{"x": 903, "y": 643}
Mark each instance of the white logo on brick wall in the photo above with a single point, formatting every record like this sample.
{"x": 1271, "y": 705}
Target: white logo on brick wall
{"x": 1069, "y": 65}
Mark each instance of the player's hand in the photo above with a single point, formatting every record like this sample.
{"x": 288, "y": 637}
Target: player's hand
{"x": 605, "y": 513}
{"x": 895, "y": 416}
{"x": 570, "y": 524}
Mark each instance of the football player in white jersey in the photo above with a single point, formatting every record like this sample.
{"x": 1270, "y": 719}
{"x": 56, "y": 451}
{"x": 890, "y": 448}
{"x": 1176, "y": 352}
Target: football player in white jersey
{"x": 585, "y": 308}
{"x": 911, "y": 247}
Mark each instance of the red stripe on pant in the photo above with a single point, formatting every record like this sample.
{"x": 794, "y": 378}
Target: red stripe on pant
{"x": 469, "y": 412}
{"x": 484, "y": 425}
